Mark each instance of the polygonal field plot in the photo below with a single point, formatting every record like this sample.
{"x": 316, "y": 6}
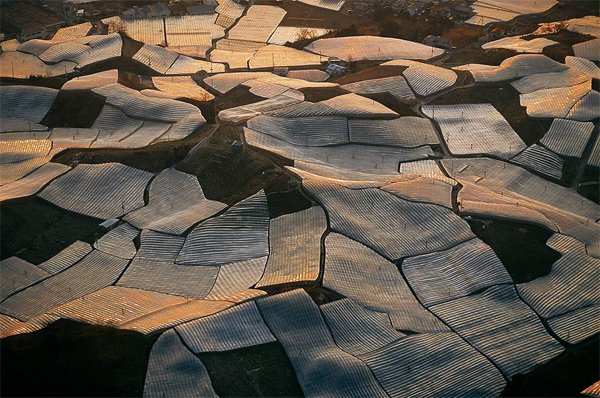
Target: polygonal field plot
{"x": 502, "y": 327}
{"x": 371, "y": 281}
{"x": 295, "y": 247}
{"x": 322, "y": 368}
{"x": 103, "y": 191}
{"x": 475, "y": 129}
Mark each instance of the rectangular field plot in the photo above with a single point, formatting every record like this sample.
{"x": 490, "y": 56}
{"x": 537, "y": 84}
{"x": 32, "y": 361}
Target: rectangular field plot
{"x": 307, "y": 131}
{"x": 425, "y": 79}
{"x": 238, "y": 327}
{"x": 489, "y": 11}
{"x": 119, "y": 241}
{"x": 395, "y": 85}
{"x": 103, "y": 191}
{"x": 234, "y": 280}
{"x": 258, "y": 24}
{"x": 272, "y": 56}
{"x": 241, "y": 233}
{"x": 568, "y": 137}
{"x": 576, "y": 326}
{"x": 353, "y": 157}
{"x": 321, "y": 367}
{"x": 502, "y": 327}
{"x": 66, "y": 257}
{"x": 294, "y": 247}
{"x": 408, "y": 132}
{"x": 518, "y": 44}
{"x": 454, "y": 273}
{"x": 475, "y": 129}
{"x": 26, "y": 102}
{"x": 542, "y": 160}
{"x": 371, "y": 281}
{"x": 134, "y": 309}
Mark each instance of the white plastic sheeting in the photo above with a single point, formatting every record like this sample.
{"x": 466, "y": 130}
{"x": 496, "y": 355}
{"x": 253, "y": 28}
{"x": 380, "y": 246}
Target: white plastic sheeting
{"x": 358, "y": 330}
{"x": 475, "y": 129}
{"x": 93, "y": 272}
{"x": 392, "y": 226}
{"x": 176, "y": 202}
{"x": 33, "y": 182}
{"x": 295, "y": 247}
{"x": 173, "y": 371}
{"x": 425, "y": 79}
{"x": 502, "y": 327}
{"x": 568, "y": 137}
{"x": 457, "y": 272}
{"x": 241, "y": 233}
{"x": 321, "y": 367}
{"x": 371, "y": 281}
{"x": 542, "y": 160}
{"x": 362, "y": 48}
{"x": 103, "y": 191}
{"x": 434, "y": 364}
{"x": 238, "y": 327}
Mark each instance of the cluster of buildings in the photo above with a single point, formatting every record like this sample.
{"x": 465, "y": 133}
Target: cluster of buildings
{"x": 29, "y": 20}
{"x": 457, "y": 10}
{"x": 159, "y": 10}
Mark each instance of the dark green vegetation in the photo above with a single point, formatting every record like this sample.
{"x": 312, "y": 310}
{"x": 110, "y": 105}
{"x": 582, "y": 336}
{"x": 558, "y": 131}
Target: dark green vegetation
{"x": 521, "y": 247}
{"x": 260, "y": 371}
{"x": 36, "y": 230}
{"x": 76, "y": 108}
{"x": 74, "y": 359}
{"x": 506, "y": 100}
{"x": 565, "y": 376}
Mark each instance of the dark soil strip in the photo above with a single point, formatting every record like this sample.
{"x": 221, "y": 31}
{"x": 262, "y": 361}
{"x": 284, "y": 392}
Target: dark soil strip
{"x": 50, "y": 82}
{"x": 565, "y": 376}
{"x": 259, "y": 371}
{"x": 75, "y": 359}
{"x": 316, "y": 94}
{"x": 319, "y": 294}
{"x": 287, "y": 202}
{"x": 153, "y": 158}
{"x": 74, "y": 108}
{"x": 229, "y": 172}
{"x": 506, "y": 100}
{"x": 387, "y": 99}
{"x": 36, "y": 230}
{"x": 588, "y": 185}
{"x": 237, "y": 96}
{"x": 376, "y": 72}
{"x": 521, "y": 247}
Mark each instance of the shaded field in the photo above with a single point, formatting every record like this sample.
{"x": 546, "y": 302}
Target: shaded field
{"x": 521, "y": 247}
{"x": 374, "y": 72}
{"x": 74, "y": 359}
{"x": 74, "y": 108}
{"x": 564, "y": 376}
{"x": 260, "y": 371}
{"x": 36, "y": 230}
{"x": 590, "y": 183}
